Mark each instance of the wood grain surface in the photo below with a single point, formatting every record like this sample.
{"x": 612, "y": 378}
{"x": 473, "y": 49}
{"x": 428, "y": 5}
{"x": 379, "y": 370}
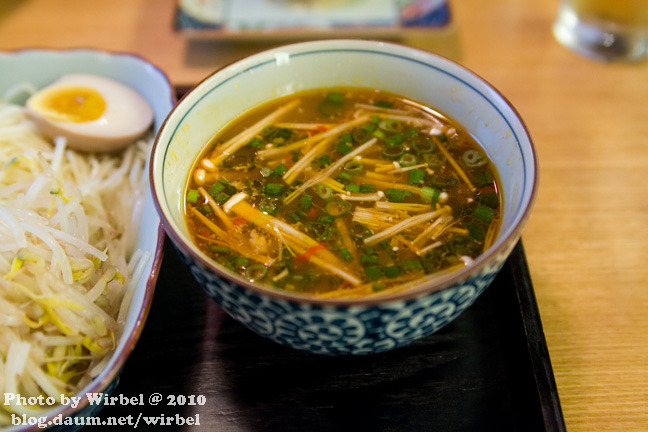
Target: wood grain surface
{"x": 587, "y": 239}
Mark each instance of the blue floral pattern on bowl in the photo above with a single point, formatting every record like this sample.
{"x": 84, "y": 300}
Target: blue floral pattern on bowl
{"x": 338, "y": 330}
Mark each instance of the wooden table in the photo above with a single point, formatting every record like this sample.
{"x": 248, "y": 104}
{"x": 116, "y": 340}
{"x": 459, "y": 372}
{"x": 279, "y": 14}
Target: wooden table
{"x": 587, "y": 239}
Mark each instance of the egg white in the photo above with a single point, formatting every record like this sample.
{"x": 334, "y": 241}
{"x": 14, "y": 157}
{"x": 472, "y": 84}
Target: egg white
{"x": 126, "y": 117}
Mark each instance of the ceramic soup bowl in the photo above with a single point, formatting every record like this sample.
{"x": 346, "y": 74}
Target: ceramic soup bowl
{"x": 345, "y": 326}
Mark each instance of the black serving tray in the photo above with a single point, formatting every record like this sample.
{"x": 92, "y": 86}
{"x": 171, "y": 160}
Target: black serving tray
{"x": 489, "y": 370}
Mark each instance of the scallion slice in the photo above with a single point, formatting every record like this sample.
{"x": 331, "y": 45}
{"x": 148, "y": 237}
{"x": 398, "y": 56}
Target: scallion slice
{"x": 323, "y": 191}
{"x": 407, "y": 159}
{"x": 393, "y": 153}
{"x": 192, "y": 196}
{"x": 354, "y": 167}
{"x": 337, "y": 208}
{"x": 274, "y": 189}
{"x": 391, "y": 125}
{"x": 416, "y": 176}
{"x": 473, "y": 158}
{"x": 256, "y": 272}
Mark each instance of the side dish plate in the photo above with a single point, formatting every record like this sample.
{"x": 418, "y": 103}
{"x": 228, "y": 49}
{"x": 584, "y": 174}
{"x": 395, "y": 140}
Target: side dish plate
{"x": 38, "y": 68}
{"x": 286, "y": 19}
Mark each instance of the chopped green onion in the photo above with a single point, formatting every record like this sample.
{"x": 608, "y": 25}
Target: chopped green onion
{"x": 416, "y": 176}
{"x": 343, "y": 148}
{"x": 228, "y": 265}
{"x": 476, "y": 231}
{"x": 443, "y": 182}
{"x": 337, "y": 208}
{"x": 411, "y": 132}
{"x": 346, "y": 138}
{"x": 265, "y": 172}
{"x": 297, "y": 215}
{"x": 280, "y": 169}
{"x": 218, "y": 249}
{"x": 335, "y": 97}
{"x": 377, "y": 287}
{"x": 484, "y": 214}
{"x": 326, "y": 219}
{"x": 256, "y": 272}
{"x": 384, "y": 104}
{"x": 433, "y": 160}
{"x": 354, "y": 167}
{"x": 406, "y": 160}
{"x": 370, "y": 127}
{"x": 462, "y": 245}
{"x": 367, "y": 188}
{"x": 379, "y": 134}
{"x": 473, "y": 158}
{"x": 320, "y": 231}
{"x": 274, "y": 189}
{"x": 206, "y": 209}
{"x": 385, "y": 245}
{"x": 412, "y": 264}
{"x": 329, "y": 108}
{"x": 255, "y": 143}
{"x": 306, "y": 202}
{"x": 393, "y": 153}
{"x": 394, "y": 140}
{"x": 324, "y": 161}
{"x": 241, "y": 262}
{"x": 360, "y": 135}
{"x": 484, "y": 178}
{"x": 221, "y": 198}
{"x": 392, "y": 271}
{"x": 344, "y": 177}
{"x": 352, "y": 187}
{"x": 490, "y": 199}
{"x": 430, "y": 194}
{"x": 216, "y": 188}
{"x": 192, "y": 196}
{"x": 369, "y": 259}
{"x": 373, "y": 272}
{"x": 391, "y": 125}
{"x": 396, "y": 195}
{"x": 323, "y": 191}
{"x": 346, "y": 255}
{"x": 423, "y": 145}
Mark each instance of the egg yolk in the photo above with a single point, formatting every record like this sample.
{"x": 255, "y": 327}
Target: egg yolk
{"x": 74, "y": 104}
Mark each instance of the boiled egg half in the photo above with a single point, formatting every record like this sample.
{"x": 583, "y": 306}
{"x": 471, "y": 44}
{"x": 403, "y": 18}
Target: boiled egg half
{"x": 93, "y": 113}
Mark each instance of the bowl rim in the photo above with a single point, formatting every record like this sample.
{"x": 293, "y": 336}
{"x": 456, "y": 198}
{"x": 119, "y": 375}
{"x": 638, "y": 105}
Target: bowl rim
{"x": 445, "y": 280}
{"x": 119, "y": 359}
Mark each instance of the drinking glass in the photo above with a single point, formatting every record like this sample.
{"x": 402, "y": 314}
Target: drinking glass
{"x": 604, "y": 29}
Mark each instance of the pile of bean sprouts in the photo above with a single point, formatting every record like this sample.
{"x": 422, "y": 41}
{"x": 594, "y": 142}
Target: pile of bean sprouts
{"x": 69, "y": 262}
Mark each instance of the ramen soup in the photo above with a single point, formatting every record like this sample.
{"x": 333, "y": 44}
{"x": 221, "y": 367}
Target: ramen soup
{"x": 342, "y": 192}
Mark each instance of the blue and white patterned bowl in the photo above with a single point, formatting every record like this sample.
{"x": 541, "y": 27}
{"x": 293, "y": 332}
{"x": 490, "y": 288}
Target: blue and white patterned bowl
{"x": 337, "y": 326}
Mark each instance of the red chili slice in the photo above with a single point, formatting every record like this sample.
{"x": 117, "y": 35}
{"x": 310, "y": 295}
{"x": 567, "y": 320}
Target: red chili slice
{"x": 310, "y": 252}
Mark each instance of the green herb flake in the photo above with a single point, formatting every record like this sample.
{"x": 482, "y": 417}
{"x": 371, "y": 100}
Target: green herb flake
{"x": 274, "y": 189}
{"x": 306, "y": 202}
{"x": 392, "y": 271}
{"x": 373, "y": 272}
{"x": 192, "y": 196}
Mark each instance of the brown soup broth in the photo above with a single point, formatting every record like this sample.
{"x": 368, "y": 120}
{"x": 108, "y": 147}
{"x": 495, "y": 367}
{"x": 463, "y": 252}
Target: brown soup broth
{"x": 342, "y": 192}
